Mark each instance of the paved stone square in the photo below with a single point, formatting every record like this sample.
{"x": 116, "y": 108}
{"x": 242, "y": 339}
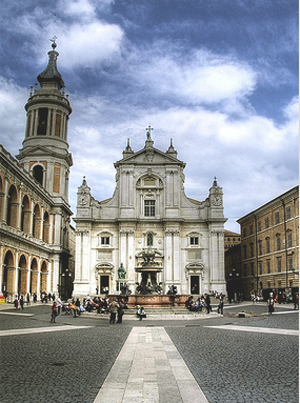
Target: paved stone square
{"x": 71, "y": 360}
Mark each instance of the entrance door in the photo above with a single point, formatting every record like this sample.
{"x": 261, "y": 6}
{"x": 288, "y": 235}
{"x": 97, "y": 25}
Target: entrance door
{"x": 195, "y": 288}
{"x": 104, "y": 284}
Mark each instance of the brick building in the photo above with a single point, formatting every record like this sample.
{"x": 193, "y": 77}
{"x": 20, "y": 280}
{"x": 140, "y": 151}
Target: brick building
{"x": 270, "y": 246}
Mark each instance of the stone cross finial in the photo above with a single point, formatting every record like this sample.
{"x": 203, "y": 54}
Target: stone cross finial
{"x": 149, "y": 128}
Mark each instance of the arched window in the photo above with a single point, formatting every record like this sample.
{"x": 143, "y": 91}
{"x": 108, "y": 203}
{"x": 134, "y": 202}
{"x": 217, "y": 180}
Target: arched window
{"x": 46, "y": 227}
{"x": 36, "y": 227}
{"x": 38, "y": 173}
{"x": 25, "y": 215}
{"x": 12, "y": 207}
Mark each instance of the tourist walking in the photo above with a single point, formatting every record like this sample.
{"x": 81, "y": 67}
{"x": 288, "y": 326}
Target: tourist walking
{"x": 120, "y": 311}
{"x": 16, "y": 302}
{"x": 113, "y": 312}
{"x": 53, "y": 312}
{"x": 59, "y": 305}
{"x": 221, "y": 304}
{"x": 22, "y": 302}
{"x": 271, "y": 304}
{"x": 207, "y": 303}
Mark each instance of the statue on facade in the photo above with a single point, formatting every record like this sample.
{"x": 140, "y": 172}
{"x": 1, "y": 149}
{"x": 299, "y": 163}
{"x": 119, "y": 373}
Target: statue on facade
{"x": 121, "y": 272}
{"x": 172, "y": 290}
{"x": 125, "y": 290}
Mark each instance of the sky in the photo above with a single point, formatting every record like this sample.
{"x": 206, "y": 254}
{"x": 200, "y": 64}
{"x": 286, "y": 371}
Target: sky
{"x": 219, "y": 77}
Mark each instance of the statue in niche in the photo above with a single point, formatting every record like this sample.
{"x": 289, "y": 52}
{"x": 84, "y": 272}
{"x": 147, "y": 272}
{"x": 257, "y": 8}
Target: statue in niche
{"x": 149, "y": 240}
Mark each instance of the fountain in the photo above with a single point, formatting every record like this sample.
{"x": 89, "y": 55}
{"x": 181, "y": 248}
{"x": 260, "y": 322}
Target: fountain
{"x": 149, "y": 292}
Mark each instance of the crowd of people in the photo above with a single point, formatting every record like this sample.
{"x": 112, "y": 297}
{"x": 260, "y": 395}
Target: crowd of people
{"x": 203, "y": 302}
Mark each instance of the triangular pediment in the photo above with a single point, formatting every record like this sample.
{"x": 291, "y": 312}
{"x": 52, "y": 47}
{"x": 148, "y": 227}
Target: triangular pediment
{"x": 46, "y": 152}
{"x": 150, "y": 155}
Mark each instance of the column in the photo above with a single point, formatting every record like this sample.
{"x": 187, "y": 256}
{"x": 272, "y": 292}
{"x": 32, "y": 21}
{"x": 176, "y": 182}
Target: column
{"x": 176, "y": 258}
{"x": 168, "y": 278}
{"x": 131, "y": 259}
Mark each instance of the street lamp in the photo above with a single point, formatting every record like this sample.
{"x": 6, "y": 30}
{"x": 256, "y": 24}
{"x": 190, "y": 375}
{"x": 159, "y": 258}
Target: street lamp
{"x": 234, "y": 276}
{"x": 64, "y": 288}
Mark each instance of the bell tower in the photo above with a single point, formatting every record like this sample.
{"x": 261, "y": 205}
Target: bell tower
{"x": 45, "y": 152}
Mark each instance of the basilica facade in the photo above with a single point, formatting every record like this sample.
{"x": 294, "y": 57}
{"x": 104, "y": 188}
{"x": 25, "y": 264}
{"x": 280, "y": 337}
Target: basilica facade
{"x": 159, "y": 237}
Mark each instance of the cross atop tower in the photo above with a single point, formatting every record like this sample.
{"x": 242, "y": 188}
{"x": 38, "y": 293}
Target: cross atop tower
{"x": 149, "y": 128}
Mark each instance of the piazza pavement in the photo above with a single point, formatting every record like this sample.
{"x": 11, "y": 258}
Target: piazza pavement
{"x": 243, "y": 356}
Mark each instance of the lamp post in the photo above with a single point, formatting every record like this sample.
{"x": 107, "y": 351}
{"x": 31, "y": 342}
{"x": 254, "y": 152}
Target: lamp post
{"x": 64, "y": 287}
{"x": 234, "y": 276}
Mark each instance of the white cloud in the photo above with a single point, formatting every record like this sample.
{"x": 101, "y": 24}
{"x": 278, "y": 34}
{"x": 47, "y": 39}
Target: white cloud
{"x": 199, "y": 77}
{"x": 12, "y": 114}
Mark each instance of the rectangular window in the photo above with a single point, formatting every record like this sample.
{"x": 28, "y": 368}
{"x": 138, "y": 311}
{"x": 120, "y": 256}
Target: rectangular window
{"x": 42, "y": 122}
{"x": 104, "y": 240}
{"x": 260, "y": 268}
{"x": 288, "y": 213}
{"x": 278, "y": 243}
{"x": 251, "y": 229}
{"x": 290, "y": 243}
{"x": 252, "y": 249}
{"x": 244, "y": 232}
{"x": 194, "y": 240}
{"x": 277, "y": 218}
{"x": 268, "y": 267}
{"x": 149, "y": 208}
{"x": 267, "y": 222}
{"x": 290, "y": 263}
{"x": 279, "y": 265}
{"x": 268, "y": 246}
{"x": 260, "y": 248}
{"x": 259, "y": 226}
{"x": 245, "y": 252}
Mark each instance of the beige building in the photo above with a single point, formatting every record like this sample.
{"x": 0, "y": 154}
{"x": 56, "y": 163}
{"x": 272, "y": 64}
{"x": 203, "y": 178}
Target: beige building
{"x": 270, "y": 246}
{"x": 231, "y": 239}
{"x": 35, "y": 228}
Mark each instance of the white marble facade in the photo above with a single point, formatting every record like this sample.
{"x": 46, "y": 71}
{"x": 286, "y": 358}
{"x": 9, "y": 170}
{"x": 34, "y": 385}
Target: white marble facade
{"x": 149, "y": 210}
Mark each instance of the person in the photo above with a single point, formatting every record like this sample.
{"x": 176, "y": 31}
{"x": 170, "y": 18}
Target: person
{"x": 296, "y": 301}
{"x": 270, "y": 303}
{"x": 22, "y": 302}
{"x": 59, "y": 305}
{"x": 221, "y": 304}
{"x": 28, "y": 299}
{"x": 34, "y": 298}
{"x": 141, "y": 313}
{"x": 77, "y": 307}
{"x": 113, "y": 312}
{"x": 120, "y": 311}
{"x": 16, "y": 302}
{"x": 53, "y": 312}
{"x": 207, "y": 303}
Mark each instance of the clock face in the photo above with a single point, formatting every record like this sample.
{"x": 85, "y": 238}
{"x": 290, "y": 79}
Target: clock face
{"x": 217, "y": 200}
{"x": 82, "y": 200}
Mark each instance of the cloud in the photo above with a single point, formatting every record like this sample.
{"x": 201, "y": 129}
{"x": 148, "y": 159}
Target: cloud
{"x": 195, "y": 77}
{"x": 87, "y": 45}
{"x": 12, "y": 114}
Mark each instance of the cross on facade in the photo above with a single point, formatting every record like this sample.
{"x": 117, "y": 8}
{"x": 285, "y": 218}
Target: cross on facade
{"x": 149, "y": 128}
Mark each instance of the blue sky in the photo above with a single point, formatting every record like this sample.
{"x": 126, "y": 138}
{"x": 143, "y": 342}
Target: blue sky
{"x": 219, "y": 77}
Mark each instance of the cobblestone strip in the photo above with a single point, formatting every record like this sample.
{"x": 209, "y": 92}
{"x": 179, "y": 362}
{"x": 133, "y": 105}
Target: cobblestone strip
{"x": 149, "y": 369}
